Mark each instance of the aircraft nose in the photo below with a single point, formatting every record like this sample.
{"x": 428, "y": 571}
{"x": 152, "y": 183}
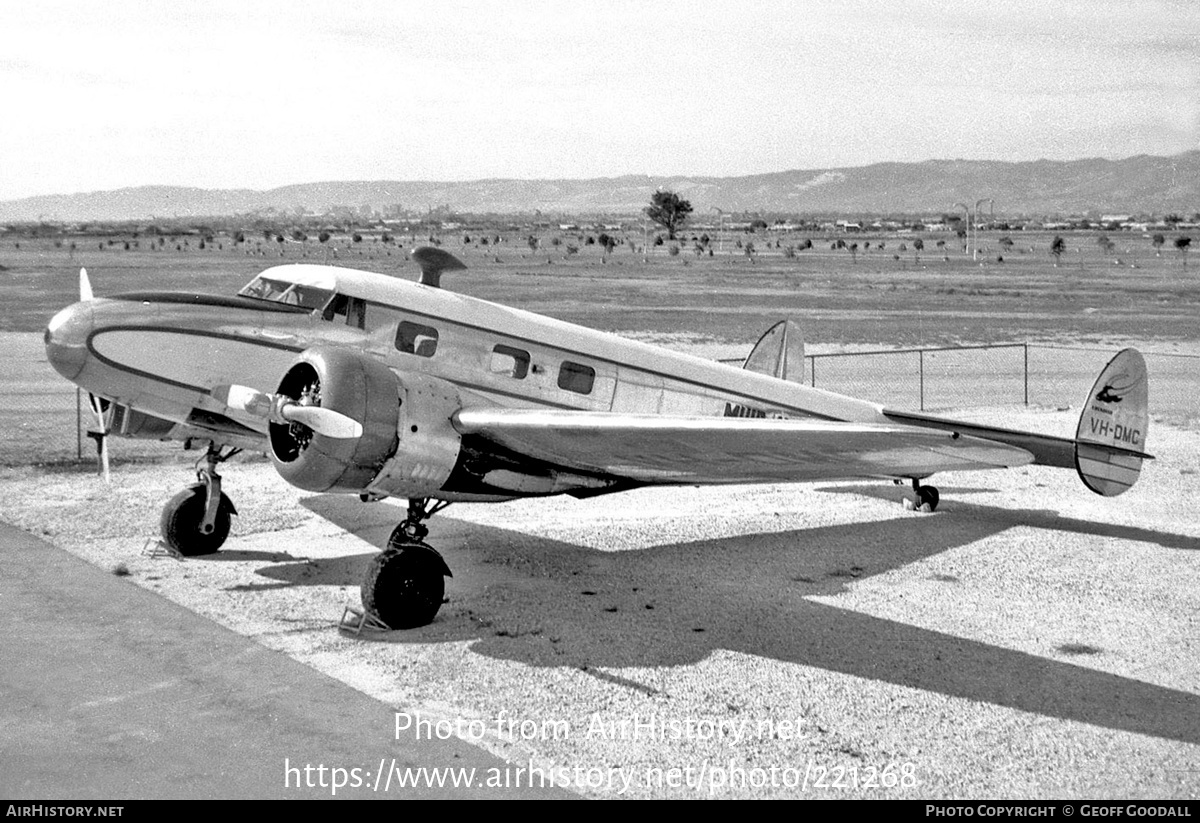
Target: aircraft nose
{"x": 66, "y": 339}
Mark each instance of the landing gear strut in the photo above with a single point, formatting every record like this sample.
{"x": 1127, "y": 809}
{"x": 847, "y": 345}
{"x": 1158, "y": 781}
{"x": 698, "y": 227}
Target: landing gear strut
{"x": 926, "y": 497}
{"x": 197, "y": 520}
{"x": 404, "y": 585}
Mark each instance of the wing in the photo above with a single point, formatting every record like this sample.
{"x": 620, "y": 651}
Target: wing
{"x": 666, "y": 449}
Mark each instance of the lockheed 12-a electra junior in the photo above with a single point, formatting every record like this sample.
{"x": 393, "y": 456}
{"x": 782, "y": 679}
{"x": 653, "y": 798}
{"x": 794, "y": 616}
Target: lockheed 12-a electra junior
{"x": 364, "y": 384}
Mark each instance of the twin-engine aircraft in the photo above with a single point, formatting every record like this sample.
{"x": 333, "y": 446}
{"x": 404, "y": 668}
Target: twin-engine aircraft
{"x": 363, "y": 384}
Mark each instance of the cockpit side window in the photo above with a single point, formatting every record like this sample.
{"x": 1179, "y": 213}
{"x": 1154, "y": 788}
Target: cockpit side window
{"x": 291, "y": 294}
{"x": 352, "y": 311}
{"x": 307, "y": 296}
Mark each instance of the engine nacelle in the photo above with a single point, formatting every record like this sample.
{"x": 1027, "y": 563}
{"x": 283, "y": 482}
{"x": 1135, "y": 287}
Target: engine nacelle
{"x": 408, "y": 446}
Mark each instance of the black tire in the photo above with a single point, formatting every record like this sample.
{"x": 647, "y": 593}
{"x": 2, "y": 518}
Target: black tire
{"x": 928, "y": 495}
{"x": 404, "y": 587}
{"x": 181, "y": 519}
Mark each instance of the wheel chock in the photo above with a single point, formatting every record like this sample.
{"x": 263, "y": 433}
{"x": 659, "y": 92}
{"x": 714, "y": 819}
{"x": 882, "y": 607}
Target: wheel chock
{"x": 354, "y": 620}
{"x": 154, "y": 547}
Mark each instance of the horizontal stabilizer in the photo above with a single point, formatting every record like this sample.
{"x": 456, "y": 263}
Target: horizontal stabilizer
{"x": 1110, "y": 440}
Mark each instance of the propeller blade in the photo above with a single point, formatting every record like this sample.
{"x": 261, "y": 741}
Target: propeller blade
{"x": 279, "y": 409}
{"x": 323, "y": 421}
{"x": 85, "y": 286}
{"x": 102, "y": 437}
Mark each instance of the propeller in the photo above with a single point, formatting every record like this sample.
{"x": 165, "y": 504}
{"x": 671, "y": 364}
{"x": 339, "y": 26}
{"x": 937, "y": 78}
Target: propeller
{"x": 280, "y": 408}
{"x": 100, "y": 433}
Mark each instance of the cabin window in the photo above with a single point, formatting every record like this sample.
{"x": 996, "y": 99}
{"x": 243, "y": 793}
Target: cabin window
{"x": 414, "y": 338}
{"x": 510, "y": 362}
{"x": 576, "y": 377}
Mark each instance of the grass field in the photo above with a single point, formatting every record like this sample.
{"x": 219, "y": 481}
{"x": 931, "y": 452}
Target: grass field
{"x": 869, "y": 300}
{"x": 712, "y": 306}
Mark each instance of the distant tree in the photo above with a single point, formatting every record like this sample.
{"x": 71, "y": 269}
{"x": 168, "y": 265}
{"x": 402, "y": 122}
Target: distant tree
{"x": 1105, "y": 244}
{"x": 918, "y": 247}
{"x": 239, "y": 237}
{"x": 356, "y": 237}
{"x": 1057, "y": 247}
{"x": 1006, "y": 243}
{"x": 299, "y": 236}
{"x": 1182, "y": 243}
{"x": 748, "y": 250}
{"x": 854, "y": 252}
{"x": 323, "y": 237}
{"x": 669, "y": 210}
{"x": 1158, "y": 241}
{"x": 532, "y": 242}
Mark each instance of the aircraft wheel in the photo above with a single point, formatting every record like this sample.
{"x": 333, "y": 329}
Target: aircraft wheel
{"x": 927, "y": 496}
{"x": 181, "y": 519}
{"x": 404, "y": 587}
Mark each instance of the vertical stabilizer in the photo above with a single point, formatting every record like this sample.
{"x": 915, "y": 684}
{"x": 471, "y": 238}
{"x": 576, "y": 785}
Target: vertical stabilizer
{"x": 1110, "y": 442}
{"x": 779, "y": 352}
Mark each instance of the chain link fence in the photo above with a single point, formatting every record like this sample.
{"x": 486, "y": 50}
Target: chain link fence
{"x": 46, "y": 419}
{"x": 1003, "y": 375}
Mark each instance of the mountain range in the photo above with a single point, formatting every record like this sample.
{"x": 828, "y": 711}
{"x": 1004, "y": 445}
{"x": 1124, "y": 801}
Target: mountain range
{"x": 1134, "y": 185}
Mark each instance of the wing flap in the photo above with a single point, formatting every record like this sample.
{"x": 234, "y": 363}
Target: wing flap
{"x": 669, "y": 449}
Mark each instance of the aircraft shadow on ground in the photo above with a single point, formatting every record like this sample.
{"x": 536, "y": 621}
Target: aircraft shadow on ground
{"x": 544, "y": 602}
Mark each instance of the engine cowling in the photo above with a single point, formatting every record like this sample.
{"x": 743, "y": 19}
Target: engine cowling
{"x": 408, "y": 445}
{"x": 350, "y": 383}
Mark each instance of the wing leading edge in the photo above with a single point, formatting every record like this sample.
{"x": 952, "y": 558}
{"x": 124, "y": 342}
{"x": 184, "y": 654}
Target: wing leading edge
{"x": 667, "y": 449}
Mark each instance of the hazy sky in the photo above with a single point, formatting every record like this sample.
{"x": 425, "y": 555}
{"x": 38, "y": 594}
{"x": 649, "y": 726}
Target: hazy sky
{"x": 101, "y": 95}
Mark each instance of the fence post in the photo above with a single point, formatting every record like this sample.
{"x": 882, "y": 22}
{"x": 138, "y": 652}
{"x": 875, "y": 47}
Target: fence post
{"x": 921, "y": 353}
{"x": 1026, "y": 346}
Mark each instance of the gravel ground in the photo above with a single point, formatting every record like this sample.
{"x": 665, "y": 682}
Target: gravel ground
{"x": 1029, "y": 639}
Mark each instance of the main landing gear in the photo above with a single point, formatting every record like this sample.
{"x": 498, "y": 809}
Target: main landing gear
{"x": 196, "y": 521}
{"x": 926, "y": 497}
{"x": 404, "y": 585}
